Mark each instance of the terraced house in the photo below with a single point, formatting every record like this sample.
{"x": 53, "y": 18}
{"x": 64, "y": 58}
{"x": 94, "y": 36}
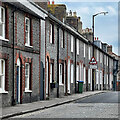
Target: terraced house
{"x": 42, "y": 57}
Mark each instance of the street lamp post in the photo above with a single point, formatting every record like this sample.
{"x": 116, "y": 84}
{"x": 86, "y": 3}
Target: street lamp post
{"x": 93, "y": 71}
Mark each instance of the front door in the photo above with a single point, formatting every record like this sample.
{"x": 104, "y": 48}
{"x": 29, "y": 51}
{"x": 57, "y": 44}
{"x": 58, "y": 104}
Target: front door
{"x": 68, "y": 76}
{"x": 41, "y": 81}
{"x": 18, "y": 81}
{"x": 86, "y": 80}
{"x": 47, "y": 79}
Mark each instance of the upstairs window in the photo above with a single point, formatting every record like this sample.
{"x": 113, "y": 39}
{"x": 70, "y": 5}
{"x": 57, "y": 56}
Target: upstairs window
{"x": 27, "y": 31}
{"x": 63, "y": 39}
{"x": 107, "y": 60}
{"x": 2, "y": 75}
{"x": 77, "y": 47}
{"x": 84, "y": 49}
{"x": 97, "y": 55}
{"x": 2, "y": 22}
{"x": 71, "y": 43}
{"x": 89, "y": 52}
{"x": 51, "y": 33}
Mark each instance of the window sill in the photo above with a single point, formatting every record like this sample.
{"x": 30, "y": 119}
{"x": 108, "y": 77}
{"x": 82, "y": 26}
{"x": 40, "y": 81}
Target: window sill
{"x": 61, "y": 84}
{"x": 28, "y": 91}
{"x": 3, "y": 92}
{"x": 26, "y": 45}
{"x": 3, "y": 39}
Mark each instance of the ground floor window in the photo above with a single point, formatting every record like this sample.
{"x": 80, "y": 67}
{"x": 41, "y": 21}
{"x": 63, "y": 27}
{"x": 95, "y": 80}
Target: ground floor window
{"x": 61, "y": 74}
{"x": 2, "y": 75}
{"x": 27, "y": 76}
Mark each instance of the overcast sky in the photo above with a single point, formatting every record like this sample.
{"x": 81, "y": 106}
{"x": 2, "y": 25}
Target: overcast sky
{"x": 106, "y": 27}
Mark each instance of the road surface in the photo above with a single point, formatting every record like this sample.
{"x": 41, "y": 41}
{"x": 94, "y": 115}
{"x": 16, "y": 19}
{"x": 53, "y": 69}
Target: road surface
{"x": 103, "y": 105}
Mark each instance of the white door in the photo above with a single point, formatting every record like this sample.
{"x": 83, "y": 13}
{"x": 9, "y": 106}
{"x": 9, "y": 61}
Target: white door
{"x": 18, "y": 80}
{"x": 47, "y": 77}
{"x": 68, "y": 76}
{"x": 90, "y": 79}
{"x": 72, "y": 79}
{"x": 65, "y": 78}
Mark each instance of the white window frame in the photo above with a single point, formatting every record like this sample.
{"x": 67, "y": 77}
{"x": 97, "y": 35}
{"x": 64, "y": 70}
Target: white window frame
{"x": 101, "y": 77}
{"x": 2, "y": 22}
{"x": 27, "y": 89}
{"x": 78, "y": 46}
{"x": 60, "y": 74}
{"x": 2, "y": 75}
{"x": 62, "y": 38}
{"x": 51, "y": 33}
{"x": 27, "y": 40}
{"x": 72, "y": 43}
{"x": 89, "y": 52}
{"x": 97, "y": 55}
{"x": 107, "y": 60}
{"x": 72, "y": 73}
{"x": 84, "y": 50}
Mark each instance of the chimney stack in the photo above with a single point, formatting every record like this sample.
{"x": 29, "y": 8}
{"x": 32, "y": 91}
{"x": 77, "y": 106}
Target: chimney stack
{"x": 74, "y": 14}
{"x": 78, "y": 19}
{"x": 0, "y": 3}
{"x": 109, "y": 48}
{"x": 48, "y": 2}
{"x": 70, "y": 13}
{"x": 53, "y": 2}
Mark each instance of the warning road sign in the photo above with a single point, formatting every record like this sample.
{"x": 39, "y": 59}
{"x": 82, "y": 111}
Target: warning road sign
{"x": 93, "y": 61}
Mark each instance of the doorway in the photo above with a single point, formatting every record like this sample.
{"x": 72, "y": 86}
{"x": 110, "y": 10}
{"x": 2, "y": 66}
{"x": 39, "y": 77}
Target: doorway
{"x": 18, "y": 80}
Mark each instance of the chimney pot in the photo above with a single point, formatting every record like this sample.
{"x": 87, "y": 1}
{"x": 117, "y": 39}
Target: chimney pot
{"x": 53, "y": 2}
{"x": 48, "y": 2}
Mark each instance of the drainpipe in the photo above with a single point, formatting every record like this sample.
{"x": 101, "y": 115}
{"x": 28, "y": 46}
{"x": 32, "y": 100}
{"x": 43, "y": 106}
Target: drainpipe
{"x": 75, "y": 65}
{"x": 108, "y": 75}
{"x": 58, "y": 62}
{"x": 13, "y": 99}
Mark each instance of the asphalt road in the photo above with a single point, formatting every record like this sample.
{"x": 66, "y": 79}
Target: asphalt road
{"x": 110, "y": 97}
{"x": 98, "y": 106}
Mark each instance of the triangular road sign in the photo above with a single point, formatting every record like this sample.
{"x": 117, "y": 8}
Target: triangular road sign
{"x": 93, "y": 61}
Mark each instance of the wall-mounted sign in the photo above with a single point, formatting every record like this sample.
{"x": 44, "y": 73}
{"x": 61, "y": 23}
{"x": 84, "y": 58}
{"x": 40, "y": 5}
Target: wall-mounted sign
{"x": 93, "y": 61}
{"x": 93, "y": 66}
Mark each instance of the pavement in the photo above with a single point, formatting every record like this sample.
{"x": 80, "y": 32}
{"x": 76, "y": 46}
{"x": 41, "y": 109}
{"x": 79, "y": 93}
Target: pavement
{"x": 21, "y": 109}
